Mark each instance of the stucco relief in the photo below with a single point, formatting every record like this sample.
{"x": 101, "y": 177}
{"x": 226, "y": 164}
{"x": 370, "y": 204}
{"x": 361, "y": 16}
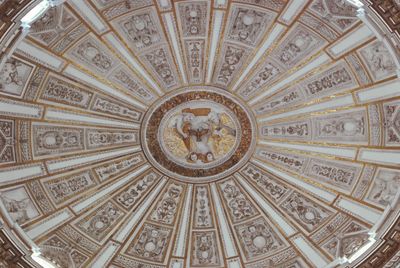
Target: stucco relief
{"x": 207, "y": 153}
{"x": 19, "y": 204}
{"x": 378, "y": 60}
{"x": 189, "y": 132}
{"x": 14, "y": 76}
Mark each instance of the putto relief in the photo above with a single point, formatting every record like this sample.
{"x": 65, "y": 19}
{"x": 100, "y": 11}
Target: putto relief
{"x": 391, "y": 111}
{"x": 197, "y": 134}
{"x": 205, "y": 249}
{"x": 248, "y": 26}
{"x": 194, "y": 18}
{"x": 141, "y": 29}
{"x": 378, "y": 60}
{"x": 299, "y": 44}
{"x": 232, "y": 60}
{"x": 384, "y": 188}
{"x": 19, "y": 204}
{"x": 161, "y": 63}
{"x": 339, "y": 15}
{"x": 91, "y": 53}
{"x": 14, "y": 75}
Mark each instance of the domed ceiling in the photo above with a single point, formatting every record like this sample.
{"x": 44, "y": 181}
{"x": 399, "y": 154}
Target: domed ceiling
{"x": 246, "y": 133}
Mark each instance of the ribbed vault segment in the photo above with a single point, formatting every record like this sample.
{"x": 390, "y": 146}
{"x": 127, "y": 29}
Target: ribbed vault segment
{"x": 317, "y": 81}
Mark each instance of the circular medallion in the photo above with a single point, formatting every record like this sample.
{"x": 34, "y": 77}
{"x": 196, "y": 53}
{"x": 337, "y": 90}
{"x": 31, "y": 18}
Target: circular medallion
{"x": 198, "y": 135}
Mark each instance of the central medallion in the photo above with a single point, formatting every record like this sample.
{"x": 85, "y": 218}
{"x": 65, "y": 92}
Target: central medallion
{"x": 198, "y": 135}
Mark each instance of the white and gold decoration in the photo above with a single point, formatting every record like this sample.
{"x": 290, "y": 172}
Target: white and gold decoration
{"x": 196, "y": 133}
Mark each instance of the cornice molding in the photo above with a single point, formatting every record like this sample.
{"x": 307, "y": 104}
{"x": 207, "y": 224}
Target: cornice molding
{"x": 11, "y": 12}
{"x": 386, "y": 13}
{"x": 13, "y": 252}
{"x": 386, "y": 254}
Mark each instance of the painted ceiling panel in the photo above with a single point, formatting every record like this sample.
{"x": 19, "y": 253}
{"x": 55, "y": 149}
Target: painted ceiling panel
{"x": 199, "y": 133}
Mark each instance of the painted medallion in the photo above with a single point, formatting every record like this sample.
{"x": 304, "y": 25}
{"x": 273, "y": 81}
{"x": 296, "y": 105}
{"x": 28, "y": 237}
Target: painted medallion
{"x": 198, "y": 135}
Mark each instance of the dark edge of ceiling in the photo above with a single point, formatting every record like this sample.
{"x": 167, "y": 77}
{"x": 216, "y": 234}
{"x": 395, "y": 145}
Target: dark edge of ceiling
{"x": 387, "y": 15}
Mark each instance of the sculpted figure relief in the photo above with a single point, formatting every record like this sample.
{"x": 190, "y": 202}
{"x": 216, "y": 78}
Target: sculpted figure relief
{"x": 194, "y": 18}
{"x": 17, "y": 209}
{"x": 201, "y": 130}
{"x": 93, "y": 54}
{"x": 159, "y": 60}
{"x": 299, "y": 44}
{"x": 385, "y": 187}
{"x": 19, "y": 205}
{"x": 13, "y": 77}
{"x": 231, "y": 60}
{"x": 142, "y": 30}
{"x": 197, "y": 134}
{"x": 392, "y": 123}
{"x": 378, "y": 60}
{"x": 247, "y": 26}
{"x": 340, "y": 14}
{"x": 10, "y": 74}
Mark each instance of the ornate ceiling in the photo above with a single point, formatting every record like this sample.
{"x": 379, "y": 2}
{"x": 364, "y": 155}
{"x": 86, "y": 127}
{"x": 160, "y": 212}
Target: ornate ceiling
{"x": 196, "y": 133}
